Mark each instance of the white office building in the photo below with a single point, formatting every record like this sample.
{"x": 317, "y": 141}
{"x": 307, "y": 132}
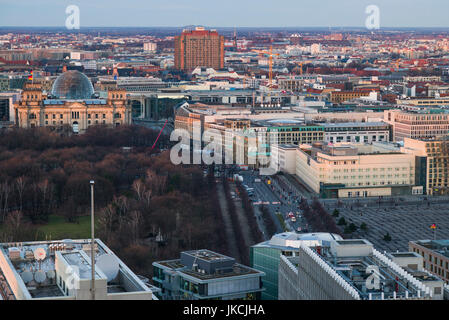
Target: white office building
{"x": 61, "y": 270}
{"x": 353, "y": 270}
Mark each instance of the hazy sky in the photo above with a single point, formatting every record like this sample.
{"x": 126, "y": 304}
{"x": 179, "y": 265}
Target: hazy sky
{"x": 226, "y": 13}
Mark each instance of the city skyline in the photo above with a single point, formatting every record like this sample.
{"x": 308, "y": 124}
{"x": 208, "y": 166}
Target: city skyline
{"x": 351, "y": 13}
{"x": 235, "y": 151}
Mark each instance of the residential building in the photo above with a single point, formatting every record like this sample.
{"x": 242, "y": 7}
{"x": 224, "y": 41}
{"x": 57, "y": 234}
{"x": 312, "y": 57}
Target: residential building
{"x": 342, "y": 96}
{"x": 206, "y": 275}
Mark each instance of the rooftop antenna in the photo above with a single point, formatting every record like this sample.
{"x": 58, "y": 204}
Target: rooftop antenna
{"x": 92, "y": 241}
{"x": 194, "y": 264}
{"x": 40, "y": 254}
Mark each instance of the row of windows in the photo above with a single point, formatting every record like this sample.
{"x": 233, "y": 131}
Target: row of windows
{"x": 75, "y": 115}
{"x": 62, "y": 122}
{"x": 373, "y": 176}
{"x": 366, "y": 169}
{"x": 356, "y": 138}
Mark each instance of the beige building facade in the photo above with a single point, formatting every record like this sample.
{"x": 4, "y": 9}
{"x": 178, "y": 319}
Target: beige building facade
{"x": 35, "y": 110}
{"x": 355, "y": 170}
{"x": 432, "y": 163}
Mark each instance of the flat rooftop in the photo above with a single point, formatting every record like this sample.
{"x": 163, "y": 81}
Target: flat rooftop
{"x": 351, "y": 242}
{"x": 355, "y": 270}
{"x": 354, "y": 124}
{"x": 284, "y": 123}
{"x": 206, "y": 265}
{"x": 294, "y": 240}
{"x": 353, "y": 149}
{"x": 21, "y": 270}
{"x": 438, "y": 246}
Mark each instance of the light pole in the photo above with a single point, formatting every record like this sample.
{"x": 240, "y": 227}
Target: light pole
{"x": 92, "y": 241}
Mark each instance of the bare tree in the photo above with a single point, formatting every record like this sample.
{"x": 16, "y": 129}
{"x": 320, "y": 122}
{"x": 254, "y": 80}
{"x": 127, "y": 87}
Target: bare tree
{"x": 4, "y": 196}
{"x": 139, "y": 188}
{"x": 20, "y": 186}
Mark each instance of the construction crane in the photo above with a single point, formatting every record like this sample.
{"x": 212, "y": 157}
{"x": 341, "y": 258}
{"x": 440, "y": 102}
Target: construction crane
{"x": 270, "y": 54}
{"x": 397, "y": 64}
{"x": 300, "y": 64}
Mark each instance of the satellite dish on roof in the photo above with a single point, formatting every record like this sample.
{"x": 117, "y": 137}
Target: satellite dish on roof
{"x": 109, "y": 265}
{"x": 40, "y": 276}
{"x": 51, "y": 274}
{"x": 27, "y": 276}
{"x": 40, "y": 254}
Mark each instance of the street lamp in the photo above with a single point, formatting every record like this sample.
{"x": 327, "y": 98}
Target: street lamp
{"x": 92, "y": 241}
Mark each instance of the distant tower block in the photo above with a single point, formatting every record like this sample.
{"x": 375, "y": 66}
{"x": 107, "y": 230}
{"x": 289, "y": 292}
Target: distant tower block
{"x": 199, "y": 48}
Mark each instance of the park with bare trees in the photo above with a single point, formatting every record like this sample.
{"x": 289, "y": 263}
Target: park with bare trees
{"x": 147, "y": 209}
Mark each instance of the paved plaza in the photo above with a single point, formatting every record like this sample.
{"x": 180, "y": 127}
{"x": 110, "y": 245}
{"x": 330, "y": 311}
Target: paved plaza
{"x": 402, "y": 222}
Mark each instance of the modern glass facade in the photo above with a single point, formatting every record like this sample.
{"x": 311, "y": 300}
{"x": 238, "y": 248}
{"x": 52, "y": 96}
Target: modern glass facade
{"x": 72, "y": 85}
{"x": 266, "y": 256}
{"x": 266, "y": 259}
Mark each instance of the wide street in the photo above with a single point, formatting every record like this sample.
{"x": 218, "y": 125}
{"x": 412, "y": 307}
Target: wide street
{"x": 278, "y": 196}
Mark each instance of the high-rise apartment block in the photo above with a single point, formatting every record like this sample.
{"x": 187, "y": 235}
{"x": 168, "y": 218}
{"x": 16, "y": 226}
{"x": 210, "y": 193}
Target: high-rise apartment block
{"x": 199, "y": 48}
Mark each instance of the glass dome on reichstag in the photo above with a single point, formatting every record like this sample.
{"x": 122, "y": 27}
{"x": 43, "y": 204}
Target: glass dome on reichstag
{"x": 72, "y": 85}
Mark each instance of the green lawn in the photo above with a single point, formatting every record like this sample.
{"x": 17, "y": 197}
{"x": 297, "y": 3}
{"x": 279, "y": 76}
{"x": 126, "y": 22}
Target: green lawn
{"x": 57, "y": 228}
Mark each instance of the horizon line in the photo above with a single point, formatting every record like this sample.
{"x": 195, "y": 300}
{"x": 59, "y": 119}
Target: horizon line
{"x": 232, "y": 27}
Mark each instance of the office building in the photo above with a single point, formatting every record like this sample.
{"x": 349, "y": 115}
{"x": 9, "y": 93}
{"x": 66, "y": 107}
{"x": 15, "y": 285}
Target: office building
{"x": 199, "y": 48}
{"x": 435, "y": 255}
{"x": 356, "y": 132}
{"x": 206, "y": 275}
{"x": 424, "y": 101}
{"x": 344, "y": 170}
{"x": 61, "y": 270}
{"x": 4, "y": 109}
{"x": 417, "y": 125}
{"x": 7, "y": 100}
{"x": 265, "y": 256}
{"x": 432, "y": 163}
{"x": 352, "y": 269}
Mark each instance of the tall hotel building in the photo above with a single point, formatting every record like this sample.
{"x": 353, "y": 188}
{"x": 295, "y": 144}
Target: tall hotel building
{"x": 199, "y": 48}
